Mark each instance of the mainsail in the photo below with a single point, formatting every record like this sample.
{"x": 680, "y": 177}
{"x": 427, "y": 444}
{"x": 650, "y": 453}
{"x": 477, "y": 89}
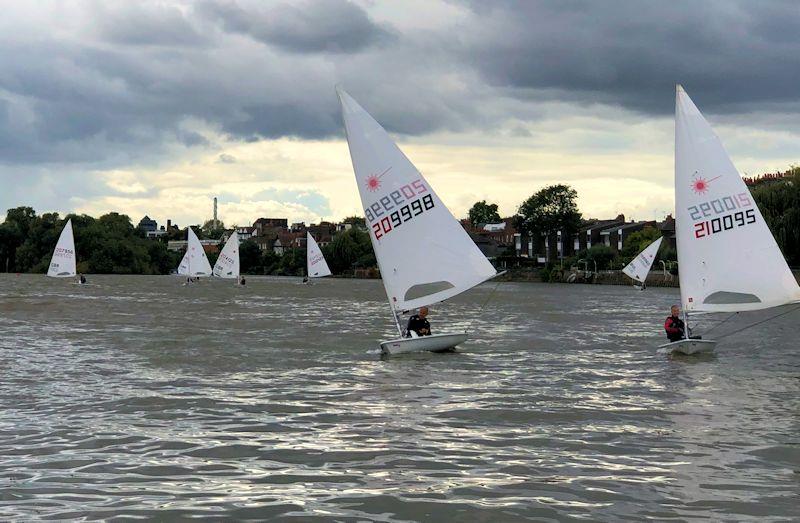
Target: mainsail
{"x": 194, "y": 262}
{"x": 227, "y": 265}
{"x": 316, "y": 265}
{"x": 728, "y": 260}
{"x": 62, "y": 264}
{"x": 423, "y": 252}
{"x": 639, "y": 267}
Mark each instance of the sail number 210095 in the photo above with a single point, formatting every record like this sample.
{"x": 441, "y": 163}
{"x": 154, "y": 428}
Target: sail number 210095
{"x": 722, "y": 214}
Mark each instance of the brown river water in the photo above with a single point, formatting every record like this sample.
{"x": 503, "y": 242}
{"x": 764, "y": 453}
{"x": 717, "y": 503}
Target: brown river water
{"x": 138, "y": 397}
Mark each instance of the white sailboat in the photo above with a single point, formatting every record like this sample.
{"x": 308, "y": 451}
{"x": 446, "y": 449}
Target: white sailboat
{"x": 728, "y": 260}
{"x": 640, "y": 266}
{"x": 194, "y": 262}
{"x": 227, "y": 265}
{"x": 316, "y": 266}
{"x": 62, "y": 264}
{"x": 423, "y": 253}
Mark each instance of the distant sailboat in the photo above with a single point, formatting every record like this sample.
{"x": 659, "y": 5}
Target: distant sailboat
{"x": 423, "y": 252}
{"x": 316, "y": 266}
{"x": 62, "y": 264}
{"x": 194, "y": 262}
{"x": 227, "y": 265}
{"x": 639, "y": 267}
{"x": 728, "y": 260}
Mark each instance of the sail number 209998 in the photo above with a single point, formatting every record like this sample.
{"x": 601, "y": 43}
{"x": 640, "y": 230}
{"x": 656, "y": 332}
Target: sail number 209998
{"x": 404, "y": 214}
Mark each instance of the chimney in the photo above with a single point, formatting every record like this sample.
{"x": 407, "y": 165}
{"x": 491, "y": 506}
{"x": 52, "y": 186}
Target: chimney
{"x": 216, "y": 223}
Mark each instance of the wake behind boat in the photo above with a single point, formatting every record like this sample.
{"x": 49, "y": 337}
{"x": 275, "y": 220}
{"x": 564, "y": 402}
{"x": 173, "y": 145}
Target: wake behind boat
{"x": 728, "y": 260}
{"x": 424, "y": 255}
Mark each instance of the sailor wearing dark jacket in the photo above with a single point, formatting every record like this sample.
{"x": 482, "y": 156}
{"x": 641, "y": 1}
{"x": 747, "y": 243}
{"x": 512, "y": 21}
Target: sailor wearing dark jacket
{"x": 418, "y": 323}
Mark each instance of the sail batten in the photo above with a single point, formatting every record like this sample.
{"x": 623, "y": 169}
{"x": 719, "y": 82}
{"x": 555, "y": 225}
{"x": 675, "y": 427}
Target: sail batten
{"x": 62, "y": 263}
{"x": 728, "y": 260}
{"x": 415, "y": 237}
{"x": 227, "y": 264}
{"x": 316, "y": 266}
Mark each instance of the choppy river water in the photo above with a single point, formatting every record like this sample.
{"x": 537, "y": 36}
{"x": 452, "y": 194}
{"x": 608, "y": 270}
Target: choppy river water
{"x": 139, "y": 397}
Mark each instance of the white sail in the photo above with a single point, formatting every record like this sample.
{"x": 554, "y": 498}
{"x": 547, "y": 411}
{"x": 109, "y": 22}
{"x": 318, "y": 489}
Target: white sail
{"x": 423, "y": 252}
{"x": 194, "y": 262}
{"x": 227, "y": 265}
{"x": 727, "y": 258}
{"x": 62, "y": 264}
{"x": 316, "y": 265}
{"x": 639, "y": 267}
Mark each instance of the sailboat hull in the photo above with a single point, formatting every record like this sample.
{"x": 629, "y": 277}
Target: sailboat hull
{"x": 690, "y": 347}
{"x": 433, "y": 343}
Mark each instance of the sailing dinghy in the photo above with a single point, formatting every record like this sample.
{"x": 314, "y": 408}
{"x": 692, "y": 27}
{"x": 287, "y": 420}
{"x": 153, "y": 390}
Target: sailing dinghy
{"x": 227, "y": 265}
{"x": 423, "y": 253}
{"x": 194, "y": 262}
{"x": 639, "y": 267}
{"x": 62, "y": 264}
{"x": 316, "y": 266}
{"x": 728, "y": 260}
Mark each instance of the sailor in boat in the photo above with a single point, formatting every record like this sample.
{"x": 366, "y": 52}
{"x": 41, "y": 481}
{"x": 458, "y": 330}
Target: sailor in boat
{"x": 418, "y": 324}
{"x": 676, "y": 330}
{"x": 82, "y": 279}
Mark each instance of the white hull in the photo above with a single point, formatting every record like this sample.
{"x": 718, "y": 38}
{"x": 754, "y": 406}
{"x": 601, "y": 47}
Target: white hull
{"x": 690, "y": 347}
{"x": 433, "y": 343}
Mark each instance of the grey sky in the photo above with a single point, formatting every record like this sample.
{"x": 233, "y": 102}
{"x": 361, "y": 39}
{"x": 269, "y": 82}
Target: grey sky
{"x": 124, "y": 85}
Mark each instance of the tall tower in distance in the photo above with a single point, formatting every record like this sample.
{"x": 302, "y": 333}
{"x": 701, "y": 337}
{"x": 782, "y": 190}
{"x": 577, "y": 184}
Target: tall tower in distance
{"x": 216, "y": 222}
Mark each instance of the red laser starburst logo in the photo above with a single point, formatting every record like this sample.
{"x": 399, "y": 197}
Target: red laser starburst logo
{"x": 374, "y": 180}
{"x": 700, "y": 184}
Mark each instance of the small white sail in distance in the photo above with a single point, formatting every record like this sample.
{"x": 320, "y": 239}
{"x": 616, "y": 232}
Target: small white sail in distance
{"x": 194, "y": 262}
{"x": 728, "y": 260}
{"x": 227, "y": 265}
{"x": 316, "y": 265}
{"x": 62, "y": 264}
{"x": 424, "y": 254}
{"x": 639, "y": 267}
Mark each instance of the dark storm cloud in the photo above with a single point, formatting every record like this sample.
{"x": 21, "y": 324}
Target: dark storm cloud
{"x": 732, "y": 56}
{"x": 148, "y": 25}
{"x": 317, "y": 26}
{"x": 133, "y": 82}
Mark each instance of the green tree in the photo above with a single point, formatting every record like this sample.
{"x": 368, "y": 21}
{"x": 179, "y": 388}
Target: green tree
{"x": 549, "y": 210}
{"x": 482, "y": 212}
{"x": 211, "y": 232}
{"x": 639, "y": 240}
{"x": 250, "y": 258}
{"x": 780, "y": 205}
{"x": 293, "y": 262}
{"x": 356, "y": 221}
{"x": 600, "y": 254}
{"x": 349, "y": 249}
{"x": 15, "y": 230}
